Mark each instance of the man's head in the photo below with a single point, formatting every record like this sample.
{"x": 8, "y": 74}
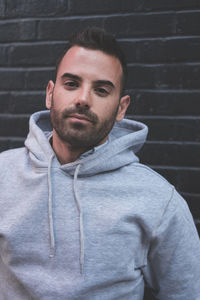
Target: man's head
{"x": 97, "y": 39}
{"x": 86, "y": 100}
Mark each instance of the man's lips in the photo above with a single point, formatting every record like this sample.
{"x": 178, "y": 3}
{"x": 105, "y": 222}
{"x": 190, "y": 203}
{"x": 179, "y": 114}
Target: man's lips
{"x": 79, "y": 117}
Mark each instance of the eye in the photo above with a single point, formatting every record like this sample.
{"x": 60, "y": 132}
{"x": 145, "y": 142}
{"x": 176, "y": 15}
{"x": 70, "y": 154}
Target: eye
{"x": 70, "y": 85}
{"x": 101, "y": 91}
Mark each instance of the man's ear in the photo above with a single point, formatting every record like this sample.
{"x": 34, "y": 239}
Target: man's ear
{"x": 49, "y": 93}
{"x": 123, "y": 105}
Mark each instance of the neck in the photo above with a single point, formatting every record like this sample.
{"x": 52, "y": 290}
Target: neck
{"x": 64, "y": 151}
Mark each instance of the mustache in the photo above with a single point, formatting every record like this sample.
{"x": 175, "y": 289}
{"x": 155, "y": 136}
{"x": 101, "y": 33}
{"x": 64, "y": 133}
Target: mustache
{"x": 81, "y": 111}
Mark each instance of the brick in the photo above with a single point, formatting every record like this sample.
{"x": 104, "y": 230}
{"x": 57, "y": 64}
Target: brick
{"x": 38, "y": 79}
{"x": 172, "y": 129}
{"x": 36, "y": 54}
{"x": 123, "y": 26}
{"x": 23, "y": 79}
{"x": 173, "y": 76}
{"x": 154, "y": 24}
{"x": 193, "y": 200}
{"x": 164, "y": 50}
{"x": 3, "y": 55}
{"x": 117, "y": 6}
{"x": 188, "y": 23}
{"x": 170, "y": 5}
{"x": 104, "y": 6}
{"x": 27, "y": 103}
{"x": 21, "y": 102}
{"x": 12, "y": 79}
{"x": 63, "y": 29}
{"x": 2, "y": 9}
{"x": 11, "y": 31}
{"x": 31, "y": 8}
{"x": 184, "y": 179}
{"x": 166, "y": 102}
{"x": 10, "y": 143}
{"x": 13, "y": 126}
{"x": 171, "y": 154}
{"x": 141, "y": 25}
{"x": 4, "y": 102}
{"x": 142, "y": 77}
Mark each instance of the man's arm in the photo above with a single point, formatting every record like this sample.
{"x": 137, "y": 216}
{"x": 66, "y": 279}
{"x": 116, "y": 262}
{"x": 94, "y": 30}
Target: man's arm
{"x": 173, "y": 270}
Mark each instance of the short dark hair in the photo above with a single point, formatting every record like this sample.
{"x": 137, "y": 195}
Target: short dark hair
{"x": 97, "y": 39}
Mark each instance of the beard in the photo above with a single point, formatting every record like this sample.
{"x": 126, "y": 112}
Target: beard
{"x": 81, "y": 135}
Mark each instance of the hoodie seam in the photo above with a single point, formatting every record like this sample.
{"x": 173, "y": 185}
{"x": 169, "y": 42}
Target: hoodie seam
{"x": 140, "y": 165}
{"x": 164, "y": 211}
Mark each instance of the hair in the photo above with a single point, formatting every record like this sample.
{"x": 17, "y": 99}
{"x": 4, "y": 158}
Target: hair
{"x": 97, "y": 39}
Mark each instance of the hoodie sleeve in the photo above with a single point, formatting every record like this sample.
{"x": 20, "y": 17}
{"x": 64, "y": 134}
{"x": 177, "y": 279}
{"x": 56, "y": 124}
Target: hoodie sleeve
{"x": 173, "y": 269}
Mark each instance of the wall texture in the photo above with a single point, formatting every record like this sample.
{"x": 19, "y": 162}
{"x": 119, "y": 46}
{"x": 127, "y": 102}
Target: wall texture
{"x": 162, "y": 43}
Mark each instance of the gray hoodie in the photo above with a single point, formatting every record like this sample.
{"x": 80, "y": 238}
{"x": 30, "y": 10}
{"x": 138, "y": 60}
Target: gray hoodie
{"x": 97, "y": 228}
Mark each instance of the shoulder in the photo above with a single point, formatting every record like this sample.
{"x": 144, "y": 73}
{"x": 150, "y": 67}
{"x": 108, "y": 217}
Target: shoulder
{"x": 10, "y": 160}
{"x": 160, "y": 200}
{"x": 12, "y": 154}
{"x": 152, "y": 189}
{"x": 146, "y": 175}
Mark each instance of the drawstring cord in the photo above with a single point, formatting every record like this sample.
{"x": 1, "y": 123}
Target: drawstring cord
{"x": 50, "y": 215}
{"x": 50, "y": 210}
{"x": 80, "y": 220}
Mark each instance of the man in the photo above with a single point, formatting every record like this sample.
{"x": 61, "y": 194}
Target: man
{"x": 80, "y": 217}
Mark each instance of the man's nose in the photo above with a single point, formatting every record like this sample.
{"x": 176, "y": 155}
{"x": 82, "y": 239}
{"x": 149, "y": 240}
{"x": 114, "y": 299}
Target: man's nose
{"x": 83, "y": 98}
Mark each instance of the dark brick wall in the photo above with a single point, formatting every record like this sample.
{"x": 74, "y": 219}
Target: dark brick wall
{"x": 162, "y": 42}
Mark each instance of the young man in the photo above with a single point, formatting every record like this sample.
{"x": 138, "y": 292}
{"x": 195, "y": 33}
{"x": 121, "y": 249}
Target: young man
{"x": 80, "y": 217}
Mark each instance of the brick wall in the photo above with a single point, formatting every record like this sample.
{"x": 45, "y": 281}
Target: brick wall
{"x": 162, "y": 43}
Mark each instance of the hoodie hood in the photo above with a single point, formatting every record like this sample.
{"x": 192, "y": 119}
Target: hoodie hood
{"x": 125, "y": 140}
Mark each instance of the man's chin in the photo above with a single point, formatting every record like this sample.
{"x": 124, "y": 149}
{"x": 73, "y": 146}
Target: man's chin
{"x": 76, "y": 137}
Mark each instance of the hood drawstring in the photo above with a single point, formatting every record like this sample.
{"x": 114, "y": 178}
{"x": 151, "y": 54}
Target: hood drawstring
{"x": 80, "y": 220}
{"x": 50, "y": 210}
{"x": 50, "y": 214}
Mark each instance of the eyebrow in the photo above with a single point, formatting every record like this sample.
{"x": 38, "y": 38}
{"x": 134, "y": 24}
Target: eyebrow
{"x": 96, "y": 82}
{"x": 72, "y": 76}
{"x": 105, "y": 82}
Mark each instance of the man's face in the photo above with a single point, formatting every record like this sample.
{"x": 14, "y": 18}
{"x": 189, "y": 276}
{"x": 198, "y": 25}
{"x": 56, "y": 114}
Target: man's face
{"x": 85, "y": 100}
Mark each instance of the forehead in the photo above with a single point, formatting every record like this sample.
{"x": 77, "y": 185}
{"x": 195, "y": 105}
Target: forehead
{"x": 91, "y": 64}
